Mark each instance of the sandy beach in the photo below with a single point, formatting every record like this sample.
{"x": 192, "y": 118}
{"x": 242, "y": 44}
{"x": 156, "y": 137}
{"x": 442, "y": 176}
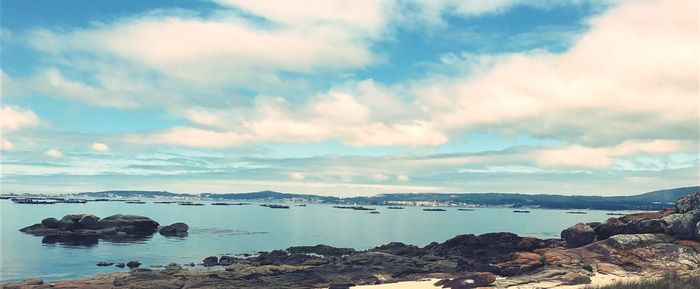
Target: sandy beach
{"x": 596, "y": 280}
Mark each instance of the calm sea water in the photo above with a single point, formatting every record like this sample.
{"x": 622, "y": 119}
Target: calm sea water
{"x": 218, "y": 230}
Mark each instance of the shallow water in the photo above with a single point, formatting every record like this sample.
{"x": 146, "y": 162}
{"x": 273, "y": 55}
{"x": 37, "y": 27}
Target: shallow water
{"x": 218, "y": 230}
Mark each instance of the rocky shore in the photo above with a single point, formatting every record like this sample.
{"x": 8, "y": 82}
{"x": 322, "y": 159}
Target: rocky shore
{"x": 643, "y": 244}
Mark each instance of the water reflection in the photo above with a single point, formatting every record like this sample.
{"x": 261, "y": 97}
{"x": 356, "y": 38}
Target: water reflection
{"x": 91, "y": 241}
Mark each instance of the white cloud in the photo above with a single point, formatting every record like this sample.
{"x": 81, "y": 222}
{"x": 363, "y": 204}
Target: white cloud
{"x": 403, "y": 178}
{"x": 625, "y": 78}
{"x": 99, "y": 147}
{"x": 380, "y": 177}
{"x": 193, "y": 137}
{"x": 297, "y": 176}
{"x": 53, "y": 153}
{"x": 13, "y": 118}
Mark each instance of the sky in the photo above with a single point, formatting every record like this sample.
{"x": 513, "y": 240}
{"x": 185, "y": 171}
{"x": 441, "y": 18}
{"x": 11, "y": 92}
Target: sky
{"x": 350, "y": 98}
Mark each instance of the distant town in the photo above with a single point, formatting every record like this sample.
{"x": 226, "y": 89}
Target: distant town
{"x": 647, "y": 201}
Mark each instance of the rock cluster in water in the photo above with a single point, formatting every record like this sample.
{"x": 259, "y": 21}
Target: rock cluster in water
{"x": 116, "y": 227}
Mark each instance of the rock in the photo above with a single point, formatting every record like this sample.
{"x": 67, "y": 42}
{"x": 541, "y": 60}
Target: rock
{"x": 685, "y": 225}
{"x": 578, "y": 235}
{"x": 647, "y": 226}
{"x": 612, "y": 226}
{"x": 120, "y": 265}
{"x": 176, "y": 229}
{"x": 51, "y": 223}
{"x": 66, "y": 225}
{"x": 472, "y": 280}
{"x": 645, "y": 216}
{"x": 33, "y": 281}
{"x": 227, "y": 260}
{"x": 398, "y": 248}
{"x": 75, "y": 218}
{"x": 133, "y": 264}
{"x": 130, "y": 223}
{"x": 688, "y": 203}
{"x": 88, "y": 222}
{"x": 210, "y": 261}
{"x": 104, "y": 264}
{"x": 697, "y": 231}
{"x": 575, "y": 278}
{"x": 630, "y": 241}
{"x": 73, "y": 229}
{"x": 321, "y": 250}
{"x": 518, "y": 263}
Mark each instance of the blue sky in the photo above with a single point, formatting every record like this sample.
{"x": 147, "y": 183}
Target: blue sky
{"x": 349, "y": 97}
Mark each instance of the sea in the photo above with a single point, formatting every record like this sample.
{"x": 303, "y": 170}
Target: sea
{"x": 234, "y": 230}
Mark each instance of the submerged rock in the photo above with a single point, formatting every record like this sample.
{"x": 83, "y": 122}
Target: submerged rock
{"x": 176, "y": 229}
{"x": 133, "y": 264}
{"x": 104, "y": 264}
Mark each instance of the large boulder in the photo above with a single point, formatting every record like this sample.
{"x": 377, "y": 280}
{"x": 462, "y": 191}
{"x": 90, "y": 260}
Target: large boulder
{"x": 130, "y": 223}
{"x": 647, "y": 226}
{"x": 51, "y": 223}
{"x": 685, "y": 225}
{"x": 176, "y": 229}
{"x": 628, "y": 241}
{"x": 688, "y": 203}
{"x": 66, "y": 225}
{"x": 578, "y": 235}
{"x": 88, "y": 222}
{"x": 612, "y": 227}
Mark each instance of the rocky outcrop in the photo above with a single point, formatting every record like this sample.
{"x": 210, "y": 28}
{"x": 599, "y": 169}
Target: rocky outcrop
{"x": 688, "y": 203}
{"x": 578, "y": 235}
{"x": 86, "y": 229}
{"x": 176, "y": 230}
{"x": 685, "y": 225}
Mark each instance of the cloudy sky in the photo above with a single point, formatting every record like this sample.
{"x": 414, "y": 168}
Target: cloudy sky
{"x": 350, "y": 97}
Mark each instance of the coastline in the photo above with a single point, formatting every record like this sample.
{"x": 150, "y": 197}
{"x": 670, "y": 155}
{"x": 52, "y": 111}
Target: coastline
{"x": 640, "y": 245}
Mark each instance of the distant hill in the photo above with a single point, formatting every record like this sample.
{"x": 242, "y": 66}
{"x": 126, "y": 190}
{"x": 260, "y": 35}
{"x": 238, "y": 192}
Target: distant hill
{"x": 132, "y": 194}
{"x": 662, "y": 196}
{"x": 649, "y": 201}
{"x": 269, "y": 195}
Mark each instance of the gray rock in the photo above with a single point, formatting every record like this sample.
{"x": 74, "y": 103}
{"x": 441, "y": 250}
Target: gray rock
{"x": 647, "y": 226}
{"x": 688, "y": 203}
{"x": 88, "y": 222}
{"x": 51, "y": 223}
{"x": 66, "y": 225}
{"x": 104, "y": 264}
{"x": 627, "y": 241}
{"x": 120, "y": 265}
{"x": 133, "y": 264}
{"x": 72, "y": 218}
{"x": 684, "y": 226}
{"x": 611, "y": 227}
{"x": 211, "y": 261}
{"x": 578, "y": 235}
{"x": 575, "y": 278}
{"x": 176, "y": 229}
